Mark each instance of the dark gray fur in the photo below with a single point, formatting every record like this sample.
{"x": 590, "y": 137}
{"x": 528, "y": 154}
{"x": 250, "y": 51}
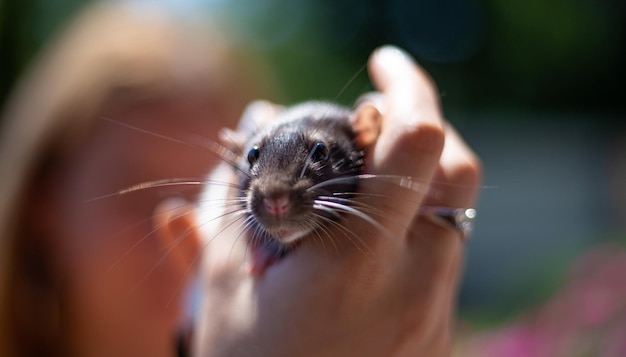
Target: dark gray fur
{"x": 283, "y": 151}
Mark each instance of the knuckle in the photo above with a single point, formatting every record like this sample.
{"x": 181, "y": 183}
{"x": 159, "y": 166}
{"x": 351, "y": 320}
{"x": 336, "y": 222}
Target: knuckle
{"x": 472, "y": 170}
{"x": 425, "y": 137}
{"x": 467, "y": 172}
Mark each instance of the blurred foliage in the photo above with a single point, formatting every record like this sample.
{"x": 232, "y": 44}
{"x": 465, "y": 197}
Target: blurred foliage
{"x": 489, "y": 55}
{"x": 25, "y": 28}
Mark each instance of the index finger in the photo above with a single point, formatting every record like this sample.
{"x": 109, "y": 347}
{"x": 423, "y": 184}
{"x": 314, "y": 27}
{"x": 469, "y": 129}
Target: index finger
{"x": 412, "y": 135}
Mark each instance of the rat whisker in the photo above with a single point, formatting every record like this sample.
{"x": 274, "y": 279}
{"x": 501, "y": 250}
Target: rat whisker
{"x": 244, "y": 226}
{"x": 362, "y": 206}
{"x": 161, "y": 183}
{"x": 151, "y": 133}
{"x": 188, "y": 231}
{"x": 142, "y": 239}
{"x": 351, "y": 236}
{"x": 307, "y": 162}
{"x": 325, "y": 229}
{"x": 146, "y": 185}
{"x": 236, "y": 202}
{"x": 350, "y": 81}
{"x": 335, "y": 181}
{"x": 225, "y": 214}
{"x": 411, "y": 183}
{"x": 191, "y": 264}
{"x": 316, "y": 228}
{"x": 221, "y": 151}
{"x": 352, "y": 211}
{"x": 390, "y": 214}
{"x": 331, "y": 211}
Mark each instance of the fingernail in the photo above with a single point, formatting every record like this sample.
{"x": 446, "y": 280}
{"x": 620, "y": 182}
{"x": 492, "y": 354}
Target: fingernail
{"x": 392, "y": 56}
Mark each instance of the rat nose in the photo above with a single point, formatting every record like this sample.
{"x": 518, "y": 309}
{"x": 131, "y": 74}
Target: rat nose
{"x": 278, "y": 205}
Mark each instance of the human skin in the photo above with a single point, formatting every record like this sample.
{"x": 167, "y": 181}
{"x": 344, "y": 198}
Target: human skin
{"x": 82, "y": 277}
{"x": 112, "y": 304}
{"x": 395, "y": 297}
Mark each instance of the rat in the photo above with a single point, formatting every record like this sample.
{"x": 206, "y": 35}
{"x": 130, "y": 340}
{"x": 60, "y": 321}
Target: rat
{"x": 298, "y": 172}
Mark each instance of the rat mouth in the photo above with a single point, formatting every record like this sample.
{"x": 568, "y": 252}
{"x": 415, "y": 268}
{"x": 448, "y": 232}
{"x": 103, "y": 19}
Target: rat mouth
{"x": 287, "y": 236}
{"x": 267, "y": 253}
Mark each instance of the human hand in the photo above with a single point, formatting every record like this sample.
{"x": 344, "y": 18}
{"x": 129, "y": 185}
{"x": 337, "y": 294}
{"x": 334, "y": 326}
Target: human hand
{"x": 392, "y": 292}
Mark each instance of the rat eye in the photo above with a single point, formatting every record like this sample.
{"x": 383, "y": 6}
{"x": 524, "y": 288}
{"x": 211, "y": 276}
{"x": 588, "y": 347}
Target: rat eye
{"x": 319, "y": 152}
{"x": 253, "y": 155}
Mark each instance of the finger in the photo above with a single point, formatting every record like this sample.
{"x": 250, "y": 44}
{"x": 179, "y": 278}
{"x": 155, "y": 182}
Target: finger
{"x": 439, "y": 249}
{"x": 412, "y": 121}
{"x": 456, "y": 182}
{"x": 412, "y": 137}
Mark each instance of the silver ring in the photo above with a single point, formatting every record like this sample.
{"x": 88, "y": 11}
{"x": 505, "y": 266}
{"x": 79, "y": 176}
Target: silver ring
{"x": 458, "y": 219}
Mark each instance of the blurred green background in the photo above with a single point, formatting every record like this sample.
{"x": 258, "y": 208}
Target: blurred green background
{"x": 491, "y": 54}
{"x": 536, "y": 87}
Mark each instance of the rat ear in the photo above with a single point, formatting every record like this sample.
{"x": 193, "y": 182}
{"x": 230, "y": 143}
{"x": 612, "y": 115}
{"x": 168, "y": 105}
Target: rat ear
{"x": 233, "y": 141}
{"x": 256, "y": 115}
{"x": 366, "y": 119}
{"x": 177, "y": 233}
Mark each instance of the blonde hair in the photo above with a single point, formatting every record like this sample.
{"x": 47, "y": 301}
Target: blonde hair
{"x": 110, "y": 47}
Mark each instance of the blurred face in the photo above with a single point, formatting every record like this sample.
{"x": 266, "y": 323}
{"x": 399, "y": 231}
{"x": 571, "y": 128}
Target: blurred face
{"x": 122, "y": 293}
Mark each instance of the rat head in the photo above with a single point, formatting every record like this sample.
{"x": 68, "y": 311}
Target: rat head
{"x": 294, "y": 167}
